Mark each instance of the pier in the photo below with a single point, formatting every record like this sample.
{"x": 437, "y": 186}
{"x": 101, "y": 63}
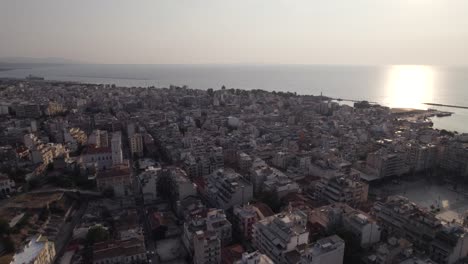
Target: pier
{"x": 351, "y": 100}
{"x": 445, "y": 105}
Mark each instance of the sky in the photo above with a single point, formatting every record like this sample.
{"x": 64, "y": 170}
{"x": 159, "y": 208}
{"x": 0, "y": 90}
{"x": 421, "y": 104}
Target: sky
{"x": 369, "y": 32}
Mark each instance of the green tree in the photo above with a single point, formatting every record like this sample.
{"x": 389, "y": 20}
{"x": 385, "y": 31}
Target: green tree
{"x": 4, "y": 227}
{"x": 164, "y": 184}
{"x": 108, "y": 192}
{"x": 272, "y": 200}
{"x": 97, "y": 234}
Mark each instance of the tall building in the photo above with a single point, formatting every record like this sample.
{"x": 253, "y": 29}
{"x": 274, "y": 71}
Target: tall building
{"x": 217, "y": 222}
{"x": 245, "y": 217}
{"x": 99, "y": 138}
{"x": 39, "y": 250}
{"x": 136, "y": 144}
{"x": 207, "y": 248}
{"x": 211, "y": 220}
{"x": 280, "y": 234}
{"x": 116, "y": 146}
{"x": 384, "y": 164}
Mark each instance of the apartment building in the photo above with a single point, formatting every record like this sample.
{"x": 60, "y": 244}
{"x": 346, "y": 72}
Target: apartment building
{"x": 245, "y": 217}
{"x": 444, "y": 242}
{"x": 207, "y": 248}
{"x": 383, "y": 163}
{"x": 328, "y": 250}
{"x": 119, "y": 252}
{"x": 342, "y": 189}
{"x": 136, "y": 144}
{"x": 282, "y": 233}
{"x": 364, "y": 228}
{"x": 227, "y": 188}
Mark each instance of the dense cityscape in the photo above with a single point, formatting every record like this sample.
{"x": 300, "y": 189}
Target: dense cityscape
{"x": 94, "y": 173}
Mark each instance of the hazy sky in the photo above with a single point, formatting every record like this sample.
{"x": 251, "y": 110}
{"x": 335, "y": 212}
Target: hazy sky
{"x": 238, "y": 31}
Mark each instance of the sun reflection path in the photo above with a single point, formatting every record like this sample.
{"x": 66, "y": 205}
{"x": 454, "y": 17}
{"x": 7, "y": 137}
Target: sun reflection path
{"x": 409, "y": 86}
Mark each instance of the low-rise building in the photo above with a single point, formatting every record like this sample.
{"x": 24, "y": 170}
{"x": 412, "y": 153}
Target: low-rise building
{"x": 97, "y": 157}
{"x": 119, "y": 252}
{"x": 118, "y": 178}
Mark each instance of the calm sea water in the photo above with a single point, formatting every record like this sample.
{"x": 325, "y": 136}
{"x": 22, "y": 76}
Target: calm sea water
{"x": 394, "y": 86}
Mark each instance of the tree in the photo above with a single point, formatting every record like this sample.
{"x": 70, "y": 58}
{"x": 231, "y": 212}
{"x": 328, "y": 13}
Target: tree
{"x": 4, "y": 227}
{"x": 108, "y": 192}
{"x": 164, "y": 186}
{"x": 8, "y": 244}
{"x": 210, "y": 92}
{"x": 353, "y": 251}
{"x": 97, "y": 234}
{"x": 272, "y": 200}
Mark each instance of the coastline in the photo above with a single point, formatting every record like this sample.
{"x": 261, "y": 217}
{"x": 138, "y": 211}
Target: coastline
{"x": 359, "y": 83}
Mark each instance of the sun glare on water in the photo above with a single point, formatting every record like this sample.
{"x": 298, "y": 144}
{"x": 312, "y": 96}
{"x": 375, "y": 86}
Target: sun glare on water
{"x": 409, "y": 86}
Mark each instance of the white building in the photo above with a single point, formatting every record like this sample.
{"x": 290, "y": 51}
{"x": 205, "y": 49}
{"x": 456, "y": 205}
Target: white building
{"x": 181, "y": 184}
{"x": 100, "y": 158}
{"x": 148, "y": 184}
{"x": 217, "y": 222}
{"x": 6, "y": 185}
{"x": 116, "y": 146}
{"x": 207, "y": 248}
{"x": 255, "y": 258}
{"x": 266, "y": 178}
{"x": 282, "y": 233}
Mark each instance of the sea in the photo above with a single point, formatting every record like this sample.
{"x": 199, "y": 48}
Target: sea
{"x": 398, "y": 86}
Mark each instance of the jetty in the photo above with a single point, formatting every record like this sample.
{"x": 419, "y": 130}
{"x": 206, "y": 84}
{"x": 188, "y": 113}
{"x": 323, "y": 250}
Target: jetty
{"x": 446, "y": 105}
{"x": 351, "y": 100}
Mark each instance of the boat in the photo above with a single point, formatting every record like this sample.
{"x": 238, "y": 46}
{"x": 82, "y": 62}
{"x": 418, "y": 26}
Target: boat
{"x": 443, "y": 114}
{"x": 34, "y": 78}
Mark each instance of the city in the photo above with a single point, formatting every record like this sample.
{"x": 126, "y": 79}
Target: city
{"x": 97, "y": 173}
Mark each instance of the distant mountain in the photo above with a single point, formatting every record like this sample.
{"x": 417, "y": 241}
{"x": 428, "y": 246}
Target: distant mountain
{"x": 26, "y": 60}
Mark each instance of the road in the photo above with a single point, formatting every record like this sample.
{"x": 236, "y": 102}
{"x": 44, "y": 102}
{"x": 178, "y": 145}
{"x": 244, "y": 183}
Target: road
{"x": 142, "y": 212}
{"x": 83, "y": 192}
